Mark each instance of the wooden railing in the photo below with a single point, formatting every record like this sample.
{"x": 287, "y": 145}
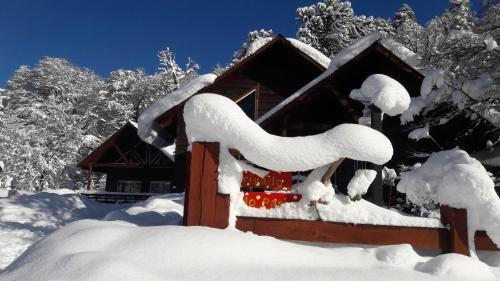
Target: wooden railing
{"x": 117, "y": 197}
{"x": 204, "y": 206}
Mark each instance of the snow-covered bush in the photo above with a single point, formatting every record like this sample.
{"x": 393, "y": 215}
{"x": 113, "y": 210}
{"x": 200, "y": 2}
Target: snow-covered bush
{"x": 455, "y": 179}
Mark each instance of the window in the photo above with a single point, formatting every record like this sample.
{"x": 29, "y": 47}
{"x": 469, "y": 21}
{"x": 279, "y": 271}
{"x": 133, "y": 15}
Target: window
{"x": 159, "y": 186}
{"x": 248, "y": 104}
{"x": 129, "y": 186}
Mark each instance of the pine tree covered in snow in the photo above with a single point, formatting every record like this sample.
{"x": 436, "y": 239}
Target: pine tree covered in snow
{"x": 331, "y": 25}
{"x": 54, "y": 114}
{"x": 407, "y": 30}
{"x": 251, "y": 38}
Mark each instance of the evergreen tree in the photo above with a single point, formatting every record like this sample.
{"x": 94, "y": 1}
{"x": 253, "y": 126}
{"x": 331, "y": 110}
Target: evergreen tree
{"x": 331, "y": 25}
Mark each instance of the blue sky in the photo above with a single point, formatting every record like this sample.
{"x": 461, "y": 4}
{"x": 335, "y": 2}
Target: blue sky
{"x": 106, "y": 35}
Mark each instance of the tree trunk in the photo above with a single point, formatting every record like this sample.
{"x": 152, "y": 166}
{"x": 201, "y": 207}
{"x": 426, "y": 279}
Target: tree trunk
{"x": 326, "y": 178}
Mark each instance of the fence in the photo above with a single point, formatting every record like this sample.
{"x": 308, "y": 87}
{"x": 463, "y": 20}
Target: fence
{"x": 204, "y": 206}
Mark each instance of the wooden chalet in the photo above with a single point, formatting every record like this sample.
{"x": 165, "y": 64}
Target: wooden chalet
{"x": 257, "y": 83}
{"x": 130, "y": 164}
{"x": 324, "y": 104}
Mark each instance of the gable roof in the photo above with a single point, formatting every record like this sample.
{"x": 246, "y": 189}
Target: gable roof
{"x": 165, "y": 110}
{"x": 98, "y": 158}
{"x": 346, "y": 62}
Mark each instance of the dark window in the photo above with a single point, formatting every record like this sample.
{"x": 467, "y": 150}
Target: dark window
{"x": 159, "y": 186}
{"x": 248, "y": 104}
{"x": 129, "y": 186}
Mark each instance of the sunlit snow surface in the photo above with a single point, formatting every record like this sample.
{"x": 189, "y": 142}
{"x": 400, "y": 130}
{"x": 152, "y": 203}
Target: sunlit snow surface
{"x": 122, "y": 250}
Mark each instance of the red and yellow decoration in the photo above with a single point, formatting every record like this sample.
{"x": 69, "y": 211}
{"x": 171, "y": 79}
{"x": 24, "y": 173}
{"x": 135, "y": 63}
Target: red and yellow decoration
{"x": 269, "y": 200}
{"x": 272, "y": 181}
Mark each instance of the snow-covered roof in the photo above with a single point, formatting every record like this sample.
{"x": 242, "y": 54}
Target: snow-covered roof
{"x": 311, "y": 52}
{"x": 146, "y": 120}
{"x": 343, "y": 57}
{"x": 145, "y": 129}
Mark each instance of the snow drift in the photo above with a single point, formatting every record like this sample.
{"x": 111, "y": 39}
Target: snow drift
{"x": 95, "y": 250}
{"x": 455, "y": 179}
{"x": 214, "y": 118}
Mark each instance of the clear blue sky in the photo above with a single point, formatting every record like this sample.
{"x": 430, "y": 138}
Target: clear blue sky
{"x": 105, "y": 35}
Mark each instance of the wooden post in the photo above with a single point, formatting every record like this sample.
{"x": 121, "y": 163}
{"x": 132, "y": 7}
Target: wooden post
{"x": 377, "y": 188}
{"x": 456, "y": 219}
{"x": 89, "y": 181}
{"x": 203, "y": 205}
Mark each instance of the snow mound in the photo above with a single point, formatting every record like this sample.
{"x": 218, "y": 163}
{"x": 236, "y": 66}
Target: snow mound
{"x": 455, "y": 179}
{"x": 158, "y": 210}
{"x": 458, "y": 267}
{"x": 25, "y": 218}
{"x": 146, "y": 120}
{"x": 214, "y": 118}
{"x": 95, "y": 250}
{"x": 312, "y": 189}
{"x": 401, "y": 255}
{"x": 384, "y": 92}
{"x": 360, "y": 182}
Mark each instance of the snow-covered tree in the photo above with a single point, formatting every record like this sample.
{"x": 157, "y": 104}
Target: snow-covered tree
{"x": 54, "y": 114}
{"x": 331, "y": 25}
{"x": 251, "y": 38}
{"x": 407, "y": 29}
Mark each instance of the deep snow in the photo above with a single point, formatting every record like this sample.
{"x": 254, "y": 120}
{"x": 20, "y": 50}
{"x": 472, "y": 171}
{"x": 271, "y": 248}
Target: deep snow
{"x": 122, "y": 249}
{"x": 27, "y": 217}
{"x": 96, "y": 250}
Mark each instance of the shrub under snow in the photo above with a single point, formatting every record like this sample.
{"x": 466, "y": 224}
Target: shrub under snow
{"x": 455, "y": 179}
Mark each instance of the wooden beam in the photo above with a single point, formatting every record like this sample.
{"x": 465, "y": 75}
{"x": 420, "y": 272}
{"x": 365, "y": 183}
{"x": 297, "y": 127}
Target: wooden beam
{"x": 456, "y": 219}
{"x": 334, "y": 232}
{"x": 326, "y": 179}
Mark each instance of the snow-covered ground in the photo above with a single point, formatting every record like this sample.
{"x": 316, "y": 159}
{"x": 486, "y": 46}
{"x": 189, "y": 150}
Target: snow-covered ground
{"x": 27, "y": 217}
{"x": 139, "y": 242}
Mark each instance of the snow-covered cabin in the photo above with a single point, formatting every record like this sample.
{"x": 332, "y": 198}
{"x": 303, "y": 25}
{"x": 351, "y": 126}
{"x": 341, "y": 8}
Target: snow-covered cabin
{"x": 130, "y": 164}
{"x": 269, "y": 74}
{"x": 291, "y": 89}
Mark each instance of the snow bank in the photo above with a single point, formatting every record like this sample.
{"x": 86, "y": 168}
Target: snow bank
{"x": 164, "y": 209}
{"x": 458, "y": 267}
{"x": 455, "y": 179}
{"x": 94, "y": 250}
{"x": 385, "y": 93}
{"x": 214, "y": 118}
{"x": 146, "y": 130}
{"x": 25, "y": 218}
